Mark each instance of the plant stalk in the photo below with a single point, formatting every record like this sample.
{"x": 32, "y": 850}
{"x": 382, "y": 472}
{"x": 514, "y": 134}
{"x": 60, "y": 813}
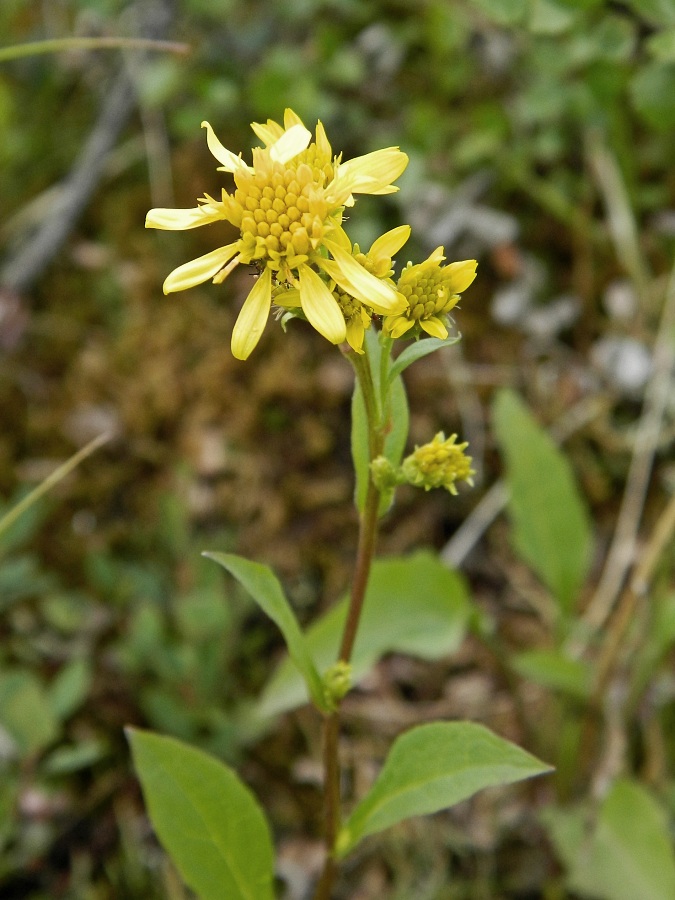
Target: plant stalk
{"x": 368, "y": 527}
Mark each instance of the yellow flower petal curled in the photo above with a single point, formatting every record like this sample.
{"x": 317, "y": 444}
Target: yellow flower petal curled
{"x": 320, "y": 307}
{"x": 368, "y": 174}
{"x": 268, "y": 133}
{"x": 290, "y": 144}
{"x": 253, "y": 317}
{"x": 199, "y": 270}
{"x": 357, "y": 281}
{"x": 227, "y": 159}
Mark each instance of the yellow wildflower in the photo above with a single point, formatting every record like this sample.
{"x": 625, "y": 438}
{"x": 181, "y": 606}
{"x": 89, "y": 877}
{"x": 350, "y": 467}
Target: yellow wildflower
{"x": 288, "y": 208}
{"x": 431, "y": 291}
{"x": 356, "y": 306}
{"x": 440, "y": 463}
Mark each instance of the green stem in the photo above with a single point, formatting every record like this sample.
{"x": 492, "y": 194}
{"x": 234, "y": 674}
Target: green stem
{"x": 331, "y": 763}
{"x": 386, "y": 343}
{"x": 364, "y": 556}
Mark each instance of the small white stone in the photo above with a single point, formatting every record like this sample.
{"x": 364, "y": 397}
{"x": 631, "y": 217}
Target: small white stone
{"x": 620, "y": 300}
{"x": 625, "y": 362}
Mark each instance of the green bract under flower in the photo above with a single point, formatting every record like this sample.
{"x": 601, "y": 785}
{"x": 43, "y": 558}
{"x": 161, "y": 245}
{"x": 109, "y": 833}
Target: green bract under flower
{"x": 288, "y": 207}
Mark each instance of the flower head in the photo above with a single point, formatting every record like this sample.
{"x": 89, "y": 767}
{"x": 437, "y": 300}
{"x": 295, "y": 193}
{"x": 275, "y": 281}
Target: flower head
{"x": 431, "y": 291}
{"x": 440, "y": 463}
{"x": 357, "y": 301}
{"x": 288, "y": 208}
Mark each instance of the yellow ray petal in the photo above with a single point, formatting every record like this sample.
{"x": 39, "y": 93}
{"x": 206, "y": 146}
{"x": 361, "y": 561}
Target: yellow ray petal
{"x": 252, "y": 319}
{"x": 340, "y": 236}
{"x": 390, "y": 242}
{"x": 368, "y": 174}
{"x": 355, "y": 335}
{"x": 322, "y": 142}
{"x": 320, "y": 307}
{"x": 227, "y": 159}
{"x": 292, "y": 142}
{"x": 199, "y": 270}
{"x": 462, "y": 274}
{"x": 291, "y": 118}
{"x": 289, "y": 299}
{"x": 434, "y": 327}
{"x": 435, "y": 258}
{"x": 397, "y": 326}
{"x": 181, "y": 219}
{"x": 354, "y": 279}
{"x": 268, "y": 133}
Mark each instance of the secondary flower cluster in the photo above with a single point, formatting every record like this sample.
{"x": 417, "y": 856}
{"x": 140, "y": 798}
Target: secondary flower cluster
{"x": 288, "y": 207}
{"x": 439, "y": 464}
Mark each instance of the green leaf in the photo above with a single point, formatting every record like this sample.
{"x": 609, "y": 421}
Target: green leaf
{"x": 360, "y": 447}
{"x": 397, "y": 436}
{"x": 8, "y": 519}
{"x": 58, "y": 45}
{"x": 396, "y": 439}
{"x": 550, "y": 519}
{"x": 553, "y": 670}
{"x": 549, "y": 17}
{"x": 206, "y": 818}
{"x": 652, "y": 93}
{"x": 418, "y": 350}
{"x": 657, "y": 12}
{"x": 264, "y": 587}
{"x": 662, "y": 46}
{"x": 70, "y": 687}
{"x": 72, "y": 758}
{"x": 25, "y": 712}
{"x": 504, "y": 12}
{"x": 629, "y": 852}
{"x": 413, "y": 605}
{"x": 432, "y": 767}
{"x": 397, "y": 427}
{"x": 24, "y": 527}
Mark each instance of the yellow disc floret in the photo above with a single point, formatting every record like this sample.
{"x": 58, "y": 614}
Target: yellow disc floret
{"x": 431, "y": 292}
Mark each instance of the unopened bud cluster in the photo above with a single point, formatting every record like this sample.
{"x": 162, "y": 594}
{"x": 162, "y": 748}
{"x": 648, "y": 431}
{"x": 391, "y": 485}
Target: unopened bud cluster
{"x": 337, "y": 682}
{"x": 439, "y": 464}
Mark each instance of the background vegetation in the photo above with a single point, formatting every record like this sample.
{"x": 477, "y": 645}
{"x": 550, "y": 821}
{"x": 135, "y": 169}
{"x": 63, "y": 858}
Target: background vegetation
{"x": 541, "y": 135}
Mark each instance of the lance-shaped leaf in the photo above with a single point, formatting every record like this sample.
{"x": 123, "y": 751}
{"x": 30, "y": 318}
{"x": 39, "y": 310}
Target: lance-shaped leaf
{"x": 554, "y": 670}
{"x": 413, "y": 605}
{"x": 360, "y": 447}
{"x": 263, "y": 585}
{"x": 206, "y": 818}
{"x": 397, "y": 424}
{"x": 417, "y": 351}
{"x": 625, "y": 853}
{"x": 432, "y": 767}
{"x": 550, "y": 519}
